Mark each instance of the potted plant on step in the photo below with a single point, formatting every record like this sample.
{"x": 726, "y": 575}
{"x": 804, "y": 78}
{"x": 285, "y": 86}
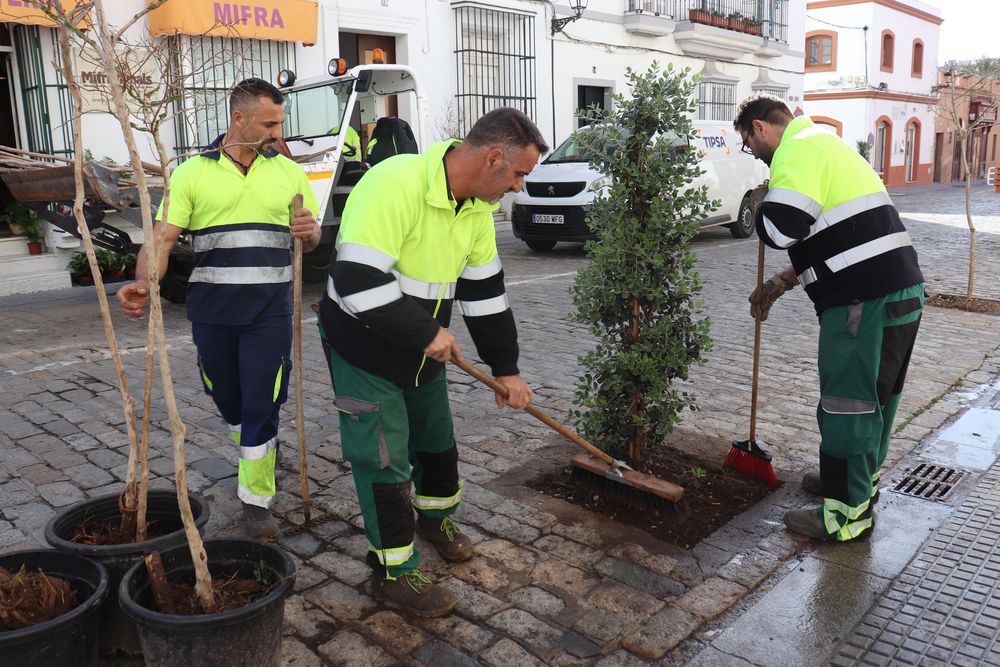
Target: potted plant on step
{"x": 111, "y": 264}
{"x": 24, "y": 221}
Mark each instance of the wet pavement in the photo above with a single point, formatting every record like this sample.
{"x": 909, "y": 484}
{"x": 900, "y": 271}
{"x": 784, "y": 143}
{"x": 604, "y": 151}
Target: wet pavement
{"x": 554, "y": 584}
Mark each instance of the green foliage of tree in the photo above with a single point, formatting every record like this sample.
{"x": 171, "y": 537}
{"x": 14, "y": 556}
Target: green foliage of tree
{"x": 864, "y": 149}
{"x": 639, "y": 295}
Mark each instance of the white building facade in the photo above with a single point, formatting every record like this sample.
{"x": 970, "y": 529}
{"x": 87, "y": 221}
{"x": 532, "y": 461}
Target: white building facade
{"x": 471, "y": 56}
{"x": 870, "y": 67}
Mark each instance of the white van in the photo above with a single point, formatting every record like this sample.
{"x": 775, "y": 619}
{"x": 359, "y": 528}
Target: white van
{"x": 552, "y": 205}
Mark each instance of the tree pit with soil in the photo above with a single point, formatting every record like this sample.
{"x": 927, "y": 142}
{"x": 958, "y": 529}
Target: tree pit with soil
{"x": 713, "y": 495}
{"x": 230, "y": 593}
{"x": 30, "y": 598}
{"x": 106, "y": 532}
{"x": 959, "y": 302}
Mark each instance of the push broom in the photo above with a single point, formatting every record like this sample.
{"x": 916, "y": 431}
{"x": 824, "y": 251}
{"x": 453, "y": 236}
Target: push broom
{"x": 746, "y": 456}
{"x": 599, "y": 462}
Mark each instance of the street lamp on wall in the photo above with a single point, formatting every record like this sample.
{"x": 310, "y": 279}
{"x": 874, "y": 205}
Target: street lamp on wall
{"x": 577, "y": 6}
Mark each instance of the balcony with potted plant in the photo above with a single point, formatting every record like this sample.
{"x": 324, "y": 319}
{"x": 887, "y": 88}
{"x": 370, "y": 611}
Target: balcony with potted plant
{"x": 715, "y": 29}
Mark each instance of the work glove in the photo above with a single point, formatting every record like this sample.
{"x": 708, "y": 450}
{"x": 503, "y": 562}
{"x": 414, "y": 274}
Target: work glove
{"x": 765, "y": 295}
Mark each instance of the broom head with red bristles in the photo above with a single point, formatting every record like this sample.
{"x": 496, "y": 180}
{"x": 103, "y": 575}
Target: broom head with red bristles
{"x": 747, "y": 458}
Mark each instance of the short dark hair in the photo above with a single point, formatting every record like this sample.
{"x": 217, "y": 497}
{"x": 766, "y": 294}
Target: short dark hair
{"x": 506, "y": 126}
{"x": 761, "y": 107}
{"x": 248, "y": 91}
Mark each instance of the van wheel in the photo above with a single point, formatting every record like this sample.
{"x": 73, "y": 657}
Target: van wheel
{"x": 744, "y": 226}
{"x": 541, "y": 245}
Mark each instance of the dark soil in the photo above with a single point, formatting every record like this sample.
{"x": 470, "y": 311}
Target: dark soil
{"x": 959, "y": 302}
{"x": 712, "y": 494}
{"x": 108, "y": 531}
{"x": 30, "y": 598}
{"x": 231, "y": 593}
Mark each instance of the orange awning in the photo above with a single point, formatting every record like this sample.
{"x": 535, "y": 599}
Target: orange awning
{"x": 283, "y": 20}
{"x": 27, "y": 12}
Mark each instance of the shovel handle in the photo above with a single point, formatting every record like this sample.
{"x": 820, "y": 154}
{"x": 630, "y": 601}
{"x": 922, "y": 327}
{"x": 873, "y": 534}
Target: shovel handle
{"x": 756, "y": 346}
{"x": 543, "y": 417}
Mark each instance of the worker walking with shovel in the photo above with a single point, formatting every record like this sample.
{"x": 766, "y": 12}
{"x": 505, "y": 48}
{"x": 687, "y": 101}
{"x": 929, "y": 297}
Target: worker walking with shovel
{"x": 417, "y": 238}
{"x": 851, "y": 253}
{"x": 235, "y": 199}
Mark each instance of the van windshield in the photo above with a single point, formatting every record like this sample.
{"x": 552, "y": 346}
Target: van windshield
{"x": 569, "y": 151}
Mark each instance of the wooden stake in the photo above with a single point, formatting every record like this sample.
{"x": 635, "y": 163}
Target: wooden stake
{"x": 300, "y": 416}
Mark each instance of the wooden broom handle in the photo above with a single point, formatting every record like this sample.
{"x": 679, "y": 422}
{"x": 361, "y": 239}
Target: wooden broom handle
{"x": 532, "y": 410}
{"x": 756, "y": 346}
{"x": 300, "y": 426}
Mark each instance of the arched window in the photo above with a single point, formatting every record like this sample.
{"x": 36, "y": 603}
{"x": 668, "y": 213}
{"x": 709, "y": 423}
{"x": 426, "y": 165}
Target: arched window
{"x": 917, "y": 68}
{"x": 821, "y": 51}
{"x": 888, "y": 49}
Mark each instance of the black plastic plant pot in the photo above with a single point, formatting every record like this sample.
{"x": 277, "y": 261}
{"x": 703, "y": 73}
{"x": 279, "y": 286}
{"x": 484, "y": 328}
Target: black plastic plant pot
{"x": 249, "y": 635}
{"x": 70, "y": 639}
{"x": 117, "y": 633}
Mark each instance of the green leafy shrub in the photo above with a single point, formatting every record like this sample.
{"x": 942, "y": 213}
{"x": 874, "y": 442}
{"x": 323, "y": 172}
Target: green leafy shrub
{"x": 638, "y": 296}
{"x": 108, "y": 262}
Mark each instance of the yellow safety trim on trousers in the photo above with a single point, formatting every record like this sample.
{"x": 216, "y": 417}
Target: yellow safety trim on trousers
{"x": 852, "y": 530}
{"x": 257, "y": 452}
{"x": 251, "y": 498}
{"x": 277, "y": 383}
{"x": 831, "y": 508}
{"x": 205, "y": 378}
{"x": 394, "y": 556}
{"x": 434, "y": 503}
{"x": 235, "y": 431}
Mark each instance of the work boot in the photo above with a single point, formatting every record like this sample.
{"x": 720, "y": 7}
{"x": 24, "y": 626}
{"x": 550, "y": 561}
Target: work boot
{"x": 415, "y": 594}
{"x": 259, "y": 522}
{"x": 812, "y": 484}
{"x": 809, "y": 522}
{"x": 453, "y": 545}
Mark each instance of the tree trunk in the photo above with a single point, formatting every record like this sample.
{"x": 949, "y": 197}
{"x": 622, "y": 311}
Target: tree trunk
{"x": 968, "y": 218}
{"x": 203, "y": 579}
{"x": 638, "y": 440}
{"x": 129, "y": 500}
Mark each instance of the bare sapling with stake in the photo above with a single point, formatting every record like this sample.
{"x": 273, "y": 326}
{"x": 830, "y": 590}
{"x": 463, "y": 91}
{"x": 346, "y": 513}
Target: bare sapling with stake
{"x": 106, "y": 43}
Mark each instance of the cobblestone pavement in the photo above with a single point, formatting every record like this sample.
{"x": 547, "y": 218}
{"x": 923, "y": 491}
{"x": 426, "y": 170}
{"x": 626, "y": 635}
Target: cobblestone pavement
{"x": 552, "y": 583}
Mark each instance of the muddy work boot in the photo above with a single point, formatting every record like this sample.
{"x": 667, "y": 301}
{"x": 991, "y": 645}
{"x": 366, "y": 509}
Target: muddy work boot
{"x": 453, "y": 545}
{"x": 259, "y": 522}
{"x": 811, "y": 484}
{"x": 809, "y": 522}
{"x": 415, "y": 594}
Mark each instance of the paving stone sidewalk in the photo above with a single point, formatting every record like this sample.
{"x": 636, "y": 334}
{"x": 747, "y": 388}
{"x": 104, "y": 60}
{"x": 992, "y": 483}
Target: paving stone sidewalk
{"x": 552, "y": 584}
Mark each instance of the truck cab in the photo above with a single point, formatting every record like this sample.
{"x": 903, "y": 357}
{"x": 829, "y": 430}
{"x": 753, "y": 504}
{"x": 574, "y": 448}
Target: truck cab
{"x": 552, "y": 207}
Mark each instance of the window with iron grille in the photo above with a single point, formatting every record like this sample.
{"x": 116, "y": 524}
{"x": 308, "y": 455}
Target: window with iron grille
{"x": 208, "y": 68}
{"x": 495, "y": 61}
{"x": 717, "y": 100}
{"x": 46, "y": 103}
{"x": 777, "y": 93}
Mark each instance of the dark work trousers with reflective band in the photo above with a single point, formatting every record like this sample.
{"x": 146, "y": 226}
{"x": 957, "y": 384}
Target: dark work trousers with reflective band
{"x": 245, "y": 370}
{"x": 391, "y": 436}
{"x": 864, "y": 350}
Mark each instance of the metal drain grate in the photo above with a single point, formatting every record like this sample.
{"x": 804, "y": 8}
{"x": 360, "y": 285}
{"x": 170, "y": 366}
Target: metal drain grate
{"x": 931, "y": 482}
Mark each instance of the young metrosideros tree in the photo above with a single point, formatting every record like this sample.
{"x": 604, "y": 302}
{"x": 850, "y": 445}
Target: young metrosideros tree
{"x": 969, "y": 96}
{"x": 639, "y": 294}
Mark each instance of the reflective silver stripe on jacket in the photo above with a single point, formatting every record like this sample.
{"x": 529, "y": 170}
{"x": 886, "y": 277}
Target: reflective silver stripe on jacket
{"x": 859, "y": 254}
{"x": 242, "y": 238}
{"x": 421, "y": 290}
{"x": 367, "y": 255}
{"x": 777, "y": 238}
{"x": 497, "y": 304}
{"x": 482, "y": 272}
{"x": 849, "y": 209}
{"x": 804, "y": 203}
{"x": 367, "y": 299}
{"x": 241, "y": 275}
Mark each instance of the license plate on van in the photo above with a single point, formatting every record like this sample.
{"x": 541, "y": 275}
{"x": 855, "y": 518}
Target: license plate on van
{"x": 544, "y": 219}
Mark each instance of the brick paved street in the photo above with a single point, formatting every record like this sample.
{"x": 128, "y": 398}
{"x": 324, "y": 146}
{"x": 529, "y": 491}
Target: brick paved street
{"x": 552, "y": 584}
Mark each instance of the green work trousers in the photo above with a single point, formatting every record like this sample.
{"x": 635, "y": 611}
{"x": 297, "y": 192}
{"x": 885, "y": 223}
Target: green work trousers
{"x": 864, "y": 351}
{"x": 396, "y": 439}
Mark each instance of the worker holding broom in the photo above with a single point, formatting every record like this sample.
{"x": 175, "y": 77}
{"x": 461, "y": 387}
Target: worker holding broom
{"x": 851, "y": 253}
{"x": 235, "y": 200}
{"x": 417, "y": 237}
